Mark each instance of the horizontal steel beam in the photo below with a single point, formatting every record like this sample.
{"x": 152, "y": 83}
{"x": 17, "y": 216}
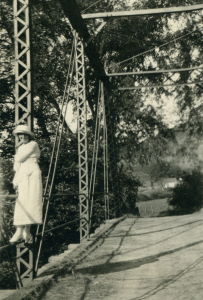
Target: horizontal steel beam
{"x": 155, "y": 71}
{"x": 143, "y": 12}
{"x": 157, "y": 86}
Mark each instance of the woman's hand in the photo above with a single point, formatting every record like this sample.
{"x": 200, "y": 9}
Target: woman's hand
{"x": 19, "y": 144}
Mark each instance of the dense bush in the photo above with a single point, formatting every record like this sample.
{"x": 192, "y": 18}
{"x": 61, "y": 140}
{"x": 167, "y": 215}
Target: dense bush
{"x": 7, "y": 278}
{"x": 187, "y": 196}
{"x": 7, "y": 257}
{"x": 129, "y": 193}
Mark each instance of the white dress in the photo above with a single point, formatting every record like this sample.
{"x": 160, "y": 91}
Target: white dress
{"x": 28, "y": 207}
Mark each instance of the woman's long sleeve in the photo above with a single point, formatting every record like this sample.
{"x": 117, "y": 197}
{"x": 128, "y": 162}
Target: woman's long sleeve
{"x": 16, "y": 165}
{"x": 25, "y": 153}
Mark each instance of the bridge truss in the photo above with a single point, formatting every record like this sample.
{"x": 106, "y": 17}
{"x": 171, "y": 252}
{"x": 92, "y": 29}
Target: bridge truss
{"x": 24, "y": 102}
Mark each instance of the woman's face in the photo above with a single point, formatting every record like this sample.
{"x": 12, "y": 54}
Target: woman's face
{"x": 23, "y": 138}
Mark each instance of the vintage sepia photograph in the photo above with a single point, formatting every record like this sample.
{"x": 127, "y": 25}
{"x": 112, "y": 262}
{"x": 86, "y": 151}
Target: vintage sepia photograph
{"x": 101, "y": 150}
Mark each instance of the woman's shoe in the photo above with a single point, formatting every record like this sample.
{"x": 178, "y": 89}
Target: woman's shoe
{"x": 16, "y": 237}
{"x": 27, "y": 236}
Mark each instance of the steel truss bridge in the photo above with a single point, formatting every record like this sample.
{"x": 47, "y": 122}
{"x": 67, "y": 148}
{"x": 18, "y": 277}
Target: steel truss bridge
{"x": 27, "y": 260}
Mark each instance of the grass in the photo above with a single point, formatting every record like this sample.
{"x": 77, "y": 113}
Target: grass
{"x": 153, "y": 208}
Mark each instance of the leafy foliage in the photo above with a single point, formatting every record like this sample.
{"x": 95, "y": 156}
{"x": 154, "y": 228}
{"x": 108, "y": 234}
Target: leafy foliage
{"x": 7, "y": 279}
{"x": 188, "y": 196}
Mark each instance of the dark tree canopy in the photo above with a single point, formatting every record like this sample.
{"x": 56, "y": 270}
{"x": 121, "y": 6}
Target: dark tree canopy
{"x": 123, "y": 44}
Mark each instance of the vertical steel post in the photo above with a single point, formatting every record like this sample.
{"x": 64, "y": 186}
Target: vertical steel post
{"x": 23, "y": 103}
{"x": 82, "y": 137}
{"x": 105, "y": 155}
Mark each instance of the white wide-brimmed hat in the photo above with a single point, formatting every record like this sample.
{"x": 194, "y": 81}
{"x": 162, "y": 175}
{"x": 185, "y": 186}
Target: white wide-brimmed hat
{"x": 23, "y": 129}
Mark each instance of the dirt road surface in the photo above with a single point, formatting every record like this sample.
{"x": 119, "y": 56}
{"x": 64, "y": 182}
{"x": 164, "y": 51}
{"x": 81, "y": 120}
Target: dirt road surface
{"x": 142, "y": 258}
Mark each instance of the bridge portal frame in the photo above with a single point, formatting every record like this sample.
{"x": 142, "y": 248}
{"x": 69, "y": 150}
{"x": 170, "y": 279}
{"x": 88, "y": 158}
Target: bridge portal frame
{"x": 24, "y": 101}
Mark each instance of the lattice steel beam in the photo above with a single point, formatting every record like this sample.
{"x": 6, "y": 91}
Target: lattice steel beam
{"x": 23, "y": 95}
{"x": 82, "y": 137}
{"x": 25, "y": 261}
{"x": 23, "y": 104}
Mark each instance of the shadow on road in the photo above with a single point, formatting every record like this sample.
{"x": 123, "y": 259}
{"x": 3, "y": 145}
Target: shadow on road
{"x": 166, "y": 282}
{"x": 109, "y": 267}
{"x": 155, "y": 231}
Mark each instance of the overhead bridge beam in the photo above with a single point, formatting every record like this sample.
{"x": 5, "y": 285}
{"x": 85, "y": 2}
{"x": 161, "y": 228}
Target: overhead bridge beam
{"x": 155, "y": 71}
{"x": 143, "y": 12}
{"x": 124, "y": 88}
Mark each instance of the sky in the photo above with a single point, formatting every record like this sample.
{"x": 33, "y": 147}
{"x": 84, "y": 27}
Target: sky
{"x": 71, "y": 117}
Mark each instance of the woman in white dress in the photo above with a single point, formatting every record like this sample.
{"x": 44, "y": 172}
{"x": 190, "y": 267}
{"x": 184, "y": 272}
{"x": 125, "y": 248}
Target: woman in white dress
{"x": 28, "y": 182}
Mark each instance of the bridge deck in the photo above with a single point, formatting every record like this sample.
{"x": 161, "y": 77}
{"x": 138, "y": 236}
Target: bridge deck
{"x": 145, "y": 258}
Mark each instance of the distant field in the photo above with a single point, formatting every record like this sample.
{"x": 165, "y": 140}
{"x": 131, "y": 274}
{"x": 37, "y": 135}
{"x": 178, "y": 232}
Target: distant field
{"x": 148, "y": 193}
{"x": 153, "y": 208}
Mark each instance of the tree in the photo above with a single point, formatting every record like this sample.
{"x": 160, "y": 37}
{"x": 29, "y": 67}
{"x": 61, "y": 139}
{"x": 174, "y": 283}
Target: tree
{"x": 172, "y": 48}
{"x": 139, "y": 128}
{"x": 138, "y": 35}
